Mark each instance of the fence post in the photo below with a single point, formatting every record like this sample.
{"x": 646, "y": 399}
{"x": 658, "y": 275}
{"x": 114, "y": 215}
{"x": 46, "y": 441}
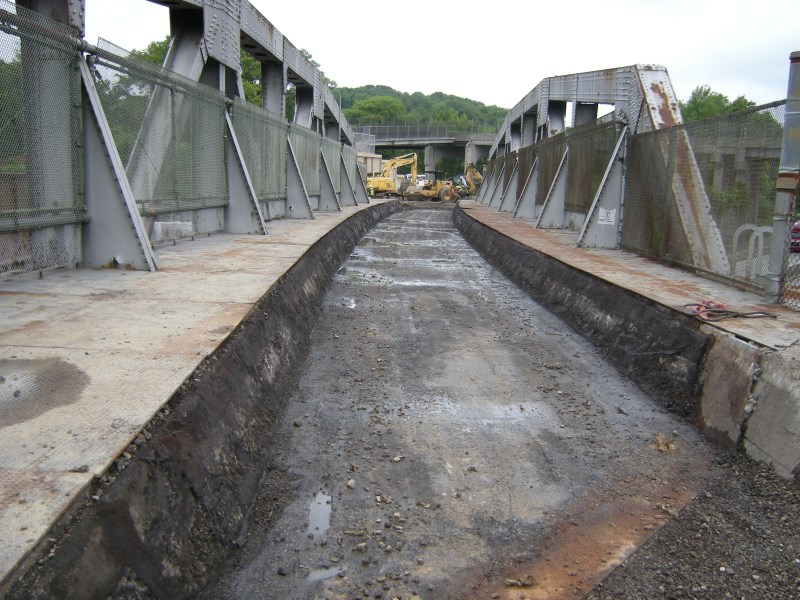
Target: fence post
{"x": 787, "y": 182}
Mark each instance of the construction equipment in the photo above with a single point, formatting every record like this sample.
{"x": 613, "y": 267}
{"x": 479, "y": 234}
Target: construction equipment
{"x": 433, "y": 189}
{"x": 460, "y": 183}
{"x": 473, "y": 179}
{"x": 385, "y": 183}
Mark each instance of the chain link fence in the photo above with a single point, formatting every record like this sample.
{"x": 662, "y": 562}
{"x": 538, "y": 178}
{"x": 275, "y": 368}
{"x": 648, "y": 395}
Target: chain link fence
{"x": 41, "y": 199}
{"x": 262, "y": 138}
{"x": 525, "y": 157}
{"x": 364, "y": 142}
{"x": 394, "y": 130}
{"x": 332, "y": 150}
{"x": 508, "y": 169}
{"x": 590, "y": 148}
{"x": 350, "y": 158}
{"x": 550, "y": 153}
{"x": 169, "y": 132}
{"x": 701, "y": 195}
{"x": 306, "y": 144}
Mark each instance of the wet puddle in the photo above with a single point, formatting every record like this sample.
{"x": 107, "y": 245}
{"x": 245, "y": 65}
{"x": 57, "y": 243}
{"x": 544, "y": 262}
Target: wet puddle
{"x": 323, "y": 574}
{"x": 319, "y": 516}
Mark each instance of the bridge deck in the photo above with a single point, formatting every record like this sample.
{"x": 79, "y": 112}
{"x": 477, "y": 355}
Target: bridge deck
{"x": 88, "y": 357}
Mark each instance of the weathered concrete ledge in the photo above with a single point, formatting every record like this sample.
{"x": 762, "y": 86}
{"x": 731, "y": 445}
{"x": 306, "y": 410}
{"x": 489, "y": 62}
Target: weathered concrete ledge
{"x": 737, "y": 391}
{"x": 176, "y": 505}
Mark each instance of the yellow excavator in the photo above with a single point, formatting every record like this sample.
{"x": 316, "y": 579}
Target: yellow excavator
{"x": 385, "y": 182}
{"x": 468, "y": 183}
{"x": 473, "y": 178}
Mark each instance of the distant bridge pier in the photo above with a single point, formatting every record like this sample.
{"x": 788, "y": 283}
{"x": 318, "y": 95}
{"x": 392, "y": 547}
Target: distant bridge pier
{"x": 435, "y": 153}
{"x": 471, "y": 152}
{"x": 474, "y": 151}
{"x": 439, "y": 141}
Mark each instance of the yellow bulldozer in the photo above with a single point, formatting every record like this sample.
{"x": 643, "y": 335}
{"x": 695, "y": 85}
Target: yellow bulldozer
{"x": 438, "y": 189}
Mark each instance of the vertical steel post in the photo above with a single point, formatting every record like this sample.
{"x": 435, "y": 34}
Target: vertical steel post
{"x": 787, "y": 182}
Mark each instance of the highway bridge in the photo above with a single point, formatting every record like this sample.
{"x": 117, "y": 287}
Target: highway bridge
{"x": 438, "y": 141}
{"x": 226, "y": 372}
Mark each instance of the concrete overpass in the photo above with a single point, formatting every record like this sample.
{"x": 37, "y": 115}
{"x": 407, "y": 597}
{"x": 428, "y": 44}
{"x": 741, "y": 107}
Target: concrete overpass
{"x": 439, "y": 141}
{"x": 163, "y": 268}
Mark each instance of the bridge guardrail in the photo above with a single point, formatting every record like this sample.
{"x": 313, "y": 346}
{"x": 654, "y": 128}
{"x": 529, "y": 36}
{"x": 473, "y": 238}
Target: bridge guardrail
{"x": 169, "y": 132}
{"x": 737, "y": 156}
{"x": 423, "y": 131}
{"x": 41, "y": 202}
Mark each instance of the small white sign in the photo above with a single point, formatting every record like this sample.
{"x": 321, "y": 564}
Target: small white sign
{"x": 607, "y": 216}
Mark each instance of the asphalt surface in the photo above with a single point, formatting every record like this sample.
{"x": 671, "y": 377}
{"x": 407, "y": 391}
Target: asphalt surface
{"x": 450, "y": 438}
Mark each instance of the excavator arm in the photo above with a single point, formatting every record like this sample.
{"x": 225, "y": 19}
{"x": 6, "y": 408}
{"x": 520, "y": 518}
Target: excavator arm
{"x": 473, "y": 177}
{"x": 385, "y": 183}
{"x": 401, "y": 161}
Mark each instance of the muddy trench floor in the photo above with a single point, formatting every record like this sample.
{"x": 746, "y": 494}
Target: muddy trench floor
{"x": 450, "y": 438}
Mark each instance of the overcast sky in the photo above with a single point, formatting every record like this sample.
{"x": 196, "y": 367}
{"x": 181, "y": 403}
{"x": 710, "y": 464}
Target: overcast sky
{"x": 495, "y": 51}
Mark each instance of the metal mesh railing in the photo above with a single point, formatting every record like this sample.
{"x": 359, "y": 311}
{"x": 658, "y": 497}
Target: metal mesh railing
{"x": 488, "y": 181}
{"x": 550, "y": 153}
{"x": 526, "y": 156}
{"x": 590, "y": 148}
{"x": 508, "y": 160}
{"x": 701, "y": 195}
{"x": 350, "y": 159}
{"x": 493, "y": 168}
{"x": 169, "y": 132}
{"x": 333, "y": 152}
{"x": 41, "y": 203}
{"x": 364, "y": 142}
{"x": 424, "y": 130}
{"x": 262, "y": 137}
{"x": 306, "y": 145}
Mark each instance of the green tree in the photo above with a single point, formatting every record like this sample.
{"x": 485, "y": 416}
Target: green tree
{"x": 377, "y": 109}
{"x": 437, "y": 108}
{"x": 154, "y": 52}
{"x": 450, "y": 166}
{"x": 290, "y": 101}
{"x": 704, "y": 103}
{"x": 251, "y": 78}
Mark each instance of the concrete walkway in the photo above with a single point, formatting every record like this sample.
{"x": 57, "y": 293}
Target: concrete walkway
{"x": 87, "y": 357}
{"x": 662, "y": 284}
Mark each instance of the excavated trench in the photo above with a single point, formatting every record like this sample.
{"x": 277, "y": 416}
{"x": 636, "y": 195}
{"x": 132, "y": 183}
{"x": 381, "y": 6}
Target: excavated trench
{"x": 438, "y": 434}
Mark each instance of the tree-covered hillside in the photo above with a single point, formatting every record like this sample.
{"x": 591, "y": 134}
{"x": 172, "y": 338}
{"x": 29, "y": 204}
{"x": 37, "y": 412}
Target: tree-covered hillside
{"x": 383, "y": 105}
